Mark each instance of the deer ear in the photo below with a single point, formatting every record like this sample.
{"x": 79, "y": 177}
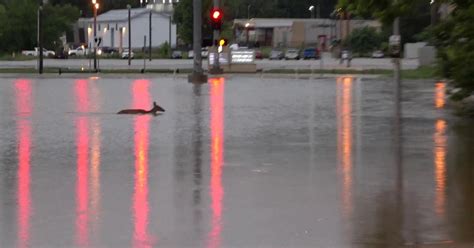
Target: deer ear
{"x": 154, "y": 104}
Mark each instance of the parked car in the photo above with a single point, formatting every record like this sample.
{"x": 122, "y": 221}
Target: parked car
{"x": 377, "y": 54}
{"x": 78, "y": 51}
{"x": 310, "y": 53}
{"x": 125, "y": 54}
{"x": 35, "y": 52}
{"x": 190, "y": 54}
{"x": 276, "y": 54}
{"x": 292, "y": 53}
{"x": 176, "y": 55}
{"x": 258, "y": 54}
{"x": 109, "y": 50}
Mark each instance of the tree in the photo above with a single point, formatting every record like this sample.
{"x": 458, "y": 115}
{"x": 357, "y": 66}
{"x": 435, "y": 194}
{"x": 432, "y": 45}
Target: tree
{"x": 454, "y": 39}
{"x": 364, "y": 40}
{"x": 19, "y": 24}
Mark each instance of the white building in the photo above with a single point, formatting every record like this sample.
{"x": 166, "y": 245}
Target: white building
{"x": 112, "y": 27}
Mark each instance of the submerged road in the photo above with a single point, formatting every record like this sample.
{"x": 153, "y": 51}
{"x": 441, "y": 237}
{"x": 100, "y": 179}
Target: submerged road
{"x": 238, "y": 162}
{"x": 328, "y": 63}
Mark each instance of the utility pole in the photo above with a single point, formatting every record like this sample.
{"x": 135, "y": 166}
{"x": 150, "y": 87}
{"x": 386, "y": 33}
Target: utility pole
{"x": 129, "y": 35}
{"x": 149, "y": 35}
{"x": 396, "y": 60}
{"x": 197, "y": 76}
{"x": 169, "y": 34}
{"x": 40, "y": 37}
{"x": 95, "y": 6}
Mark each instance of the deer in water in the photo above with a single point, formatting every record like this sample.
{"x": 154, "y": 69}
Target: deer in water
{"x": 153, "y": 110}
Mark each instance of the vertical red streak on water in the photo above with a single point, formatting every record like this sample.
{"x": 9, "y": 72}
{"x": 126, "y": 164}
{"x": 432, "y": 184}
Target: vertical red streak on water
{"x": 440, "y": 142}
{"x": 344, "y": 141}
{"x": 217, "y": 151}
{"x": 82, "y": 152}
{"x": 440, "y": 95}
{"x": 141, "y": 99}
{"x": 23, "y": 105}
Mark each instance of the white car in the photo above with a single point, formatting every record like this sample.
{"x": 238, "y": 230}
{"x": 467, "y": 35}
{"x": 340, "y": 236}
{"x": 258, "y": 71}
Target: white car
{"x": 292, "y": 53}
{"x": 377, "y": 54}
{"x": 125, "y": 54}
{"x": 79, "y": 51}
{"x": 46, "y": 53}
{"x": 204, "y": 53}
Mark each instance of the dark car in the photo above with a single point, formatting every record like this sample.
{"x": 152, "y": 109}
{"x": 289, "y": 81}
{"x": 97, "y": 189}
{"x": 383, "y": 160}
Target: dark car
{"x": 310, "y": 53}
{"x": 276, "y": 54}
{"x": 109, "y": 50}
{"x": 177, "y": 55}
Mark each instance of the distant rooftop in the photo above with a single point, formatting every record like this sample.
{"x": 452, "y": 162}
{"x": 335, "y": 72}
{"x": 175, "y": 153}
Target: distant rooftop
{"x": 120, "y": 15}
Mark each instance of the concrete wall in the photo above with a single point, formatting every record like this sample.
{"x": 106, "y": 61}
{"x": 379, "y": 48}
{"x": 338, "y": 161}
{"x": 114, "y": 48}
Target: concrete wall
{"x": 427, "y": 55}
{"x": 115, "y": 34}
{"x": 297, "y": 34}
{"x": 411, "y": 49}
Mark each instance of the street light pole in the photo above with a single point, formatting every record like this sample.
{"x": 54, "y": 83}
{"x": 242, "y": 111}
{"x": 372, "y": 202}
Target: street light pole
{"x": 248, "y": 11}
{"x": 311, "y": 9}
{"x": 40, "y": 38}
{"x": 129, "y": 35}
{"x": 95, "y": 6}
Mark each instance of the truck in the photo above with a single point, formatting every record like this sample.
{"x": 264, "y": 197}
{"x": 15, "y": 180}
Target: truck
{"x": 46, "y": 53}
{"x": 78, "y": 51}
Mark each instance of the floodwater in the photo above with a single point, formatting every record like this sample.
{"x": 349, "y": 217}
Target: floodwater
{"x": 238, "y": 162}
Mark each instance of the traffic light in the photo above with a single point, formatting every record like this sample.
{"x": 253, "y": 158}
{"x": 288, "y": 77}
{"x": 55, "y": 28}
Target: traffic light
{"x": 221, "y": 42}
{"x": 216, "y": 18}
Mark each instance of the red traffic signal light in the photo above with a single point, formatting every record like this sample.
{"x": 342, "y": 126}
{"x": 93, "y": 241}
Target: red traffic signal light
{"x": 216, "y": 18}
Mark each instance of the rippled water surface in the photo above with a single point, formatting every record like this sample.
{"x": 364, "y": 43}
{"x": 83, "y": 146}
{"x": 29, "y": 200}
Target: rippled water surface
{"x": 237, "y": 162}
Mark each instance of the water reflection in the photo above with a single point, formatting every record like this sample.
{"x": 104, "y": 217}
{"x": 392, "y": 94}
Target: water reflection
{"x": 141, "y": 99}
{"x": 24, "y": 109}
{"x": 344, "y": 140}
{"x": 440, "y": 95}
{"x": 217, "y": 150}
{"x": 440, "y": 166}
{"x": 82, "y": 153}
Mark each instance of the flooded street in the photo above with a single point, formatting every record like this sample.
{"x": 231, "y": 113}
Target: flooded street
{"x": 238, "y": 162}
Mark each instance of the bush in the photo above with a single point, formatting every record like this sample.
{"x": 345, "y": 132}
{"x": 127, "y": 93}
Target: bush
{"x": 363, "y": 41}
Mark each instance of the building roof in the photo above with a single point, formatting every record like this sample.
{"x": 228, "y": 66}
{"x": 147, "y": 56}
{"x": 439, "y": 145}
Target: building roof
{"x": 121, "y": 15}
{"x": 286, "y": 22}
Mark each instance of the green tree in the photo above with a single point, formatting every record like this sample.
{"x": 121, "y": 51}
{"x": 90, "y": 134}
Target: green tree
{"x": 364, "y": 40}
{"x": 454, "y": 39}
{"x": 19, "y": 24}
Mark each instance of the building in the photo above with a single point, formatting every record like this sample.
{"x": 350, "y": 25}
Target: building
{"x": 295, "y": 32}
{"x": 112, "y": 28}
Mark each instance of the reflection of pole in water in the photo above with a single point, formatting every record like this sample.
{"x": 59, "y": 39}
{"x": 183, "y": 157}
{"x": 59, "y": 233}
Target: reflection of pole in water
{"x": 141, "y": 99}
{"x": 198, "y": 145}
{"x": 344, "y": 140}
{"x": 82, "y": 151}
{"x": 24, "y": 108}
{"x": 95, "y": 172}
{"x": 217, "y": 152}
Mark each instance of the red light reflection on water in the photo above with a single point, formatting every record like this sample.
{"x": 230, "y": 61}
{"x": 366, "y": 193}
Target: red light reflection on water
{"x": 82, "y": 152}
{"x": 23, "y": 106}
{"x": 141, "y": 99}
{"x": 344, "y": 139}
{"x": 440, "y": 141}
{"x": 217, "y": 151}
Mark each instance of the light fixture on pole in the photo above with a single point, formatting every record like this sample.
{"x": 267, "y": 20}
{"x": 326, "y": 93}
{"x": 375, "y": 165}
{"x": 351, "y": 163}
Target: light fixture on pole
{"x": 311, "y": 9}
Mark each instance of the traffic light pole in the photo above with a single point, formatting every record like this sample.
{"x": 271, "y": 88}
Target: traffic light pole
{"x": 197, "y": 76}
{"x": 216, "y": 68}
